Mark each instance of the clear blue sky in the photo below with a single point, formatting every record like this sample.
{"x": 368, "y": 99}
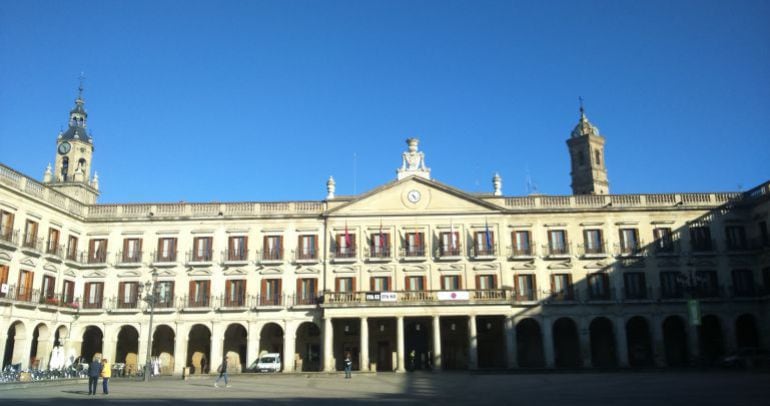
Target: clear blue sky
{"x": 263, "y": 100}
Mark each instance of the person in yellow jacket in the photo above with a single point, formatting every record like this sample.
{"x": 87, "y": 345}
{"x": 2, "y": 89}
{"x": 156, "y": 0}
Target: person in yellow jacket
{"x": 106, "y": 375}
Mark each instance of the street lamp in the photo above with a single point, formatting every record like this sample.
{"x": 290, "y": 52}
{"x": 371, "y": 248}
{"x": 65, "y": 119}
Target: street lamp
{"x": 150, "y": 298}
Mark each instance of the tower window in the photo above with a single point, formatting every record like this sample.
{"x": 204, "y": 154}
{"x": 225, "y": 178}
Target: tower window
{"x": 598, "y": 158}
{"x": 581, "y": 158}
{"x": 65, "y": 164}
{"x": 82, "y": 164}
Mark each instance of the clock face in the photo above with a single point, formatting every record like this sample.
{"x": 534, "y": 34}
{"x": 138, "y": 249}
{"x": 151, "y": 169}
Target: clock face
{"x": 64, "y": 147}
{"x": 413, "y": 196}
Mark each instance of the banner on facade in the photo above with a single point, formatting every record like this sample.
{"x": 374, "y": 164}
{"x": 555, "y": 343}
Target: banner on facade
{"x": 375, "y": 296}
{"x": 693, "y": 311}
{"x": 388, "y": 297}
{"x": 460, "y": 295}
{"x": 4, "y": 288}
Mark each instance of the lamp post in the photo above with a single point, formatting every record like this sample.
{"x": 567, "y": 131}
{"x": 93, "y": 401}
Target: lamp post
{"x": 150, "y": 298}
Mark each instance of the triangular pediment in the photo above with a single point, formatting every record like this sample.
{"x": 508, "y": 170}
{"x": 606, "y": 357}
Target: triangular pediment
{"x": 414, "y": 195}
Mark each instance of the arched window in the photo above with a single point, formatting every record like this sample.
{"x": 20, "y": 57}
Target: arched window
{"x": 65, "y": 164}
{"x": 82, "y": 164}
{"x": 598, "y": 158}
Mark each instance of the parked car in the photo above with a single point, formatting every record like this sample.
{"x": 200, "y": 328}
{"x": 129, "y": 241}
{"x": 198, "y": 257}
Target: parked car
{"x": 270, "y": 362}
{"x": 747, "y": 358}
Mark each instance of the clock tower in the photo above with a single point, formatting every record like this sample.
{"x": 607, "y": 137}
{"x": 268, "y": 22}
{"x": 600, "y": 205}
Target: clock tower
{"x": 586, "y": 148}
{"x": 74, "y": 149}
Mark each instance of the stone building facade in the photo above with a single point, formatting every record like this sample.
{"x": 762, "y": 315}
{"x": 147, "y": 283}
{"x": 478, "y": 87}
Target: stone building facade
{"x": 414, "y": 274}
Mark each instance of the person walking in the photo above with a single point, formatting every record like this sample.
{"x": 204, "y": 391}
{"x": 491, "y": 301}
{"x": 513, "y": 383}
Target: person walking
{"x": 94, "y": 370}
{"x": 222, "y": 374}
{"x": 348, "y": 365}
{"x": 106, "y": 375}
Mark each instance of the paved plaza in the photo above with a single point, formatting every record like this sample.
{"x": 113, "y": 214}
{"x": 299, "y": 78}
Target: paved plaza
{"x": 616, "y": 388}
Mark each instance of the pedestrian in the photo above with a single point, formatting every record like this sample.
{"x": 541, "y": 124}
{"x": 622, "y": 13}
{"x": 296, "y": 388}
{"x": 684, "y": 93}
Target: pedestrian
{"x": 106, "y": 375}
{"x": 222, "y": 373}
{"x": 94, "y": 370}
{"x": 348, "y": 365}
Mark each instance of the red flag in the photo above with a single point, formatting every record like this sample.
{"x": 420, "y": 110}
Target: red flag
{"x": 347, "y": 236}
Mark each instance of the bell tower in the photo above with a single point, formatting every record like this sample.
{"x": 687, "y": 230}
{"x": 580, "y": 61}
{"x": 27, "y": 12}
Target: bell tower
{"x": 74, "y": 149}
{"x": 586, "y": 149}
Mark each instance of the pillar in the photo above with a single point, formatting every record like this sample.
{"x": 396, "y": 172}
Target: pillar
{"x": 693, "y": 343}
{"x": 216, "y": 354}
{"x": 21, "y": 348}
{"x": 328, "y": 333}
{"x": 181, "y": 338}
{"x": 364, "y": 361}
{"x": 141, "y": 355}
{"x": 584, "y": 341}
{"x": 510, "y": 342}
{"x": 548, "y": 352}
{"x": 400, "y": 346}
{"x": 473, "y": 356}
{"x": 728, "y": 332}
{"x": 658, "y": 345}
{"x": 621, "y": 341}
{"x": 436, "y": 361}
{"x": 289, "y": 344}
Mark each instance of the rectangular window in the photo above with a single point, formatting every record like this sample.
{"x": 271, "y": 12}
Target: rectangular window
{"x": 202, "y": 249}
{"x": 670, "y": 285}
{"x": 664, "y": 240}
{"x": 380, "y": 283}
{"x": 557, "y": 242}
{"x": 598, "y": 286}
{"x": 450, "y": 282}
{"x": 68, "y": 292}
{"x": 128, "y": 293}
{"x": 743, "y": 282}
{"x": 484, "y": 243}
{"x": 94, "y": 292}
{"x": 308, "y": 247}
{"x": 48, "y": 290}
{"x": 271, "y": 292}
{"x": 736, "y": 238}
{"x": 415, "y": 283}
{"x": 634, "y": 285}
{"x": 52, "y": 246}
{"x": 237, "y": 248}
{"x": 706, "y": 284}
{"x": 97, "y": 251}
{"x": 450, "y": 244}
{"x": 700, "y": 238}
{"x": 525, "y": 287}
{"x": 273, "y": 248}
{"x": 629, "y": 241}
{"x": 522, "y": 244}
{"x": 24, "y": 290}
{"x": 166, "y": 250}
{"x": 346, "y": 246}
{"x": 594, "y": 243}
{"x": 3, "y": 280}
{"x": 415, "y": 244}
{"x": 165, "y": 294}
{"x": 380, "y": 245}
{"x": 30, "y": 234}
{"x": 307, "y": 291}
{"x": 132, "y": 250}
{"x": 486, "y": 282}
{"x": 6, "y": 226}
{"x": 199, "y": 294}
{"x": 345, "y": 285}
{"x": 72, "y": 248}
{"x": 235, "y": 293}
{"x": 561, "y": 287}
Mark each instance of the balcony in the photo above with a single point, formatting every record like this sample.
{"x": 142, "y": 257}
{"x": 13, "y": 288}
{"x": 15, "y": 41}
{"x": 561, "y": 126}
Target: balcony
{"x": 483, "y": 253}
{"x": 234, "y": 303}
{"x": 601, "y": 296}
{"x": 417, "y": 298}
{"x": 629, "y": 250}
{"x": 305, "y": 300}
{"x": 54, "y": 252}
{"x": 557, "y": 251}
{"x": 593, "y": 251}
{"x": 9, "y": 238}
{"x": 449, "y": 253}
{"x": 522, "y": 253}
{"x": 274, "y": 300}
{"x": 199, "y": 258}
{"x": 344, "y": 255}
{"x": 199, "y": 303}
{"x": 740, "y": 247}
{"x": 33, "y": 246}
{"x": 703, "y": 247}
{"x": 271, "y": 257}
{"x": 413, "y": 253}
{"x": 164, "y": 259}
{"x": 378, "y": 254}
{"x": 663, "y": 248}
{"x": 94, "y": 307}
{"x": 235, "y": 257}
{"x": 640, "y": 296}
{"x": 128, "y": 259}
{"x": 97, "y": 259}
{"x": 124, "y": 305}
{"x": 306, "y": 256}
{"x": 566, "y": 296}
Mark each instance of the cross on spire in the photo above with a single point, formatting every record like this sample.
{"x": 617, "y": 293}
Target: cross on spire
{"x": 582, "y": 111}
{"x": 81, "y": 78}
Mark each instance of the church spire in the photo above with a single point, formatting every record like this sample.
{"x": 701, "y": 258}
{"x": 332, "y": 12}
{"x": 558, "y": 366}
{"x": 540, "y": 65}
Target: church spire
{"x": 586, "y": 147}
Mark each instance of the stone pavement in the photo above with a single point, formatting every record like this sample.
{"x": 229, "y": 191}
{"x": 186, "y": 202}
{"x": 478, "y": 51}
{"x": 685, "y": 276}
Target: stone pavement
{"x": 612, "y": 388}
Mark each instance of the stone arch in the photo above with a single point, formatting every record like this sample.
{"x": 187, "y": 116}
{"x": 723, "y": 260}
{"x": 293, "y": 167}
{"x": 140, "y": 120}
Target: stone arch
{"x": 91, "y": 346}
{"x": 603, "y": 348}
{"x": 199, "y": 349}
{"x": 14, "y": 343}
{"x": 746, "y": 333}
{"x": 163, "y": 339}
{"x": 675, "y": 341}
{"x": 711, "y": 340}
{"x": 566, "y": 343}
{"x": 127, "y": 348}
{"x": 308, "y": 347}
{"x": 639, "y": 342}
{"x": 529, "y": 344}
{"x": 271, "y": 340}
{"x": 235, "y": 345}
{"x": 40, "y": 349}
{"x": 60, "y": 335}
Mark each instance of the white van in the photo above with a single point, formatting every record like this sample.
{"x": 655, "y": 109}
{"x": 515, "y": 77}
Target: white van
{"x": 270, "y": 362}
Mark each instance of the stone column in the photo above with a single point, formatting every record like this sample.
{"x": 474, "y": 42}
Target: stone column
{"x": 693, "y": 343}
{"x": 141, "y": 354}
{"x": 584, "y": 339}
{"x": 217, "y": 353}
{"x": 728, "y": 332}
{"x": 328, "y": 333}
{"x": 364, "y": 361}
{"x": 21, "y": 348}
{"x": 621, "y": 341}
{"x": 181, "y": 338}
{"x": 436, "y": 361}
{"x": 473, "y": 355}
{"x": 658, "y": 346}
{"x": 289, "y": 344}
{"x": 550, "y": 359}
{"x": 400, "y": 345}
{"x": 510, "y": 342}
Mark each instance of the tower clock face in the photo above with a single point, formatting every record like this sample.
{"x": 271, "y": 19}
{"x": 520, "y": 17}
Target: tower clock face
{"x": 64, "y": 147}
